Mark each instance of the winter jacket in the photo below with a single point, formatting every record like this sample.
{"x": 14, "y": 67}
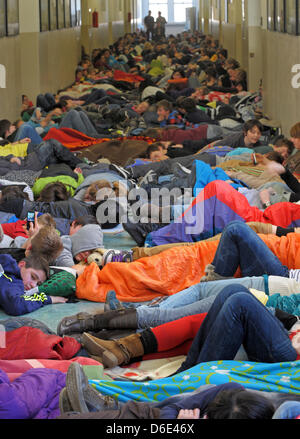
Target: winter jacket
{"x": 13, "y": 298}
{"x": 34, "y": 395}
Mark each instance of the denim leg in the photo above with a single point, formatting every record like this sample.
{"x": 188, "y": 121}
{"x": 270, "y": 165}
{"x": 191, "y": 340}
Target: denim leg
{"x": 207, "y": 289}
{"x": 27, "y": 130}
{"x": 237, "y": 318}
{"x": 52, "y": 152}
{"x": 288, "y": 410}
{"x": 76, "y": 121}
{"x": 155, "y": 316}
{"x": 241, "y": 246}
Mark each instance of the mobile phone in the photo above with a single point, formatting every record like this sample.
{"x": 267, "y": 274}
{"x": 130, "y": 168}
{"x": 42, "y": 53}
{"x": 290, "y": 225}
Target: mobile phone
{"x": 30, "y": 219}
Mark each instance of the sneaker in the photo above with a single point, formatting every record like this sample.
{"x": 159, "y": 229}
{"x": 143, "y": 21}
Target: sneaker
{"x": 117, "y": 256}
{"x": 150, "y": 177}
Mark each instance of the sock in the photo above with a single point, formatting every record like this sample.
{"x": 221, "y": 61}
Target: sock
{"x": 288, "y": 320}
{"x": 283, "y": 232}
{"x": 283, "y": 285}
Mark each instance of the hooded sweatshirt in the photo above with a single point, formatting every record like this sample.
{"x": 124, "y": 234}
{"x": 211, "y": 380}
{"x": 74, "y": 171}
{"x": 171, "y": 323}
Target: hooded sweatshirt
{"x": 13, "y": 299}
{"x": 89, "y": 237}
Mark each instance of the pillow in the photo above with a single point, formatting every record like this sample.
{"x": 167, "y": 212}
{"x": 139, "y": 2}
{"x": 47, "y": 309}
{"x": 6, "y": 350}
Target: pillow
{"x": 61, "y": 283}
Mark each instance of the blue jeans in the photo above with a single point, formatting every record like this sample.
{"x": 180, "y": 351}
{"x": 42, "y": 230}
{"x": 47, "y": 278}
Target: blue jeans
{"x": 288, "y": 410}
{"x": 207, "y": 289}
{"x": 150, "y": 317}
{"x": 79, "y": 121}
{"x": 237, "y": 318}
{"x": 241, "y": 246}
{"x": 27, "y": 130}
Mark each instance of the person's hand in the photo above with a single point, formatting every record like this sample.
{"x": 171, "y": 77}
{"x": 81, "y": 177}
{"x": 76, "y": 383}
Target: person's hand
{"x": 189, "y": 414}
{"x": 15, "y": 160}
{"x": 79, "y": 268}
{"x": 78, "y": 171}
{"x": 26, "y": 140}
{"x": 58, "y": 299}
{"x": 34, "y": 228}
{"x": 265, "y": 195}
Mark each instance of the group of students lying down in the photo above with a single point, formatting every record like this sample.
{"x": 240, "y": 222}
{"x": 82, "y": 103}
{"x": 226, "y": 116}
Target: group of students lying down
{"x": 164, "y": 142}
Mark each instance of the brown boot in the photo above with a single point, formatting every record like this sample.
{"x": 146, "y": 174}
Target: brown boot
{"x": 114, "y": 352}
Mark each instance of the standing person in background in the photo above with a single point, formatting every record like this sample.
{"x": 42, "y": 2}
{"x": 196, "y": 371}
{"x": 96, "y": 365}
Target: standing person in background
{"x": 161, "y": 25}
{"x": 149, "y": 23}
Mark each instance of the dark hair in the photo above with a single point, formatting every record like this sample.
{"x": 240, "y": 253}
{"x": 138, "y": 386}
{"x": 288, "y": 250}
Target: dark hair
{"x": 275, "y": 157}
{"x": 84, "y": 220}
{"x": 250, "y": 124}
{"x": 4, "y": 126}
{"x": 180, "y": 71}
{"x": 187, "y": 104}
{"x": 152, "y": 148}
{"x": 240, "y": 404}
{"x": 13, "y": 191}
{"x": 167, "y": 105}
{"x": 285, "y": 142}
{"x": 211, "y": 71}
{"x": 37, "y": 263}
{"x": 54, "y": 192}
{"x": 226, "y": 82}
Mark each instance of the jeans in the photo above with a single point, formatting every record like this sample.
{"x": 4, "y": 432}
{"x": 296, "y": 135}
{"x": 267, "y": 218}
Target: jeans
{"x": 52, "y": 152}
{"x": 79, "y": 121}
{"x": 207, "y": 289}
{"x": 155, "y": 316}
{"x": 46, "y": 102}
{"x": 288, "y": 410}
{"x": 27, "y": 130}
{"x": 237, "y": 318}
{"x": 241, "y": 246}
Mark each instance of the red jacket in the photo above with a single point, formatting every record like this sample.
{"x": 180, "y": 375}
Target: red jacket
{"x": 15, "y": 229}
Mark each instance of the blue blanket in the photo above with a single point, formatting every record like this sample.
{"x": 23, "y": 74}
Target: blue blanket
{"x": 275, "y": 377}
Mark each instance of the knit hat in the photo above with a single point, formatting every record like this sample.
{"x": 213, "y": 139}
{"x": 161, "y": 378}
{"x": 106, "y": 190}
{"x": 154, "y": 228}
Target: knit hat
{"x": 89, "y": 237}
{"x": 283, "y": 286}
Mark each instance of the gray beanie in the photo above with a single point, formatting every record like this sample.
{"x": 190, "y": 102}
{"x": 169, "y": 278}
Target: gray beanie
{"x": 89, "y": 237}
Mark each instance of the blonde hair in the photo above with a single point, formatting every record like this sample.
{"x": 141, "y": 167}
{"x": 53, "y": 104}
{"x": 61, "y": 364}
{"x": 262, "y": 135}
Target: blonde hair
{"x": 46, "y": 220}
{"x": 295, "y": 131}
{"x": 118, "y": 189}
{"x": 47, "y": 243}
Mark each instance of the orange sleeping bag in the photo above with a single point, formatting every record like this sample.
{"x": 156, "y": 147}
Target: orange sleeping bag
{"x": 169, "y": 272}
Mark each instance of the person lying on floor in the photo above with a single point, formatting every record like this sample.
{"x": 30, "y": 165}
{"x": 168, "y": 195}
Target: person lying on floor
{"x": 59, "y": 394}
{"x": 17, "y": 282}
{"x": 10, "y": 133}
{"x": 16, "y": 234}
{"x": 41, "y": 238}
{"x": 249, "y": 138}
{"x": 44, "y": 154}
{"x": 79, "y": 400}
{"x": 236, "y": 318}
{"x": 275, "y": 291}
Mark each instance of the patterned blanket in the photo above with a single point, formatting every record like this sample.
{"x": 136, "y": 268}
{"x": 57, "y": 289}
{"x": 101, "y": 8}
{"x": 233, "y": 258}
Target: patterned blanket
{"x": 276, "y": 377}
